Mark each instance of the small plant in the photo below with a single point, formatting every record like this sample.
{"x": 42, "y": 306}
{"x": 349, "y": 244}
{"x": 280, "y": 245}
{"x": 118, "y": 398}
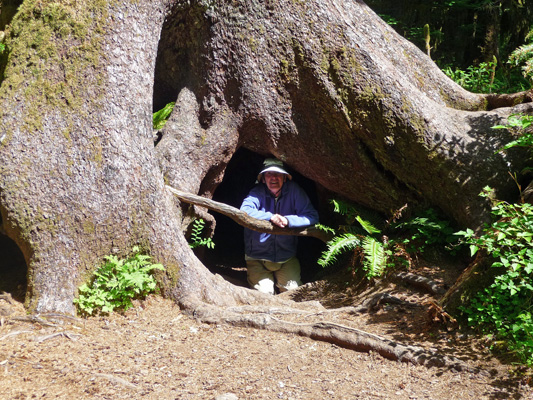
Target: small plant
{"x": 520, "y": 125}
{"x": 196, "y": 239}
{"x": 117, "y": 283}
{"x": 504, "y": 309}
{"x": 478, "y": 79}
{"x": 426, "y": 229}
{"x": 159, "y": 119}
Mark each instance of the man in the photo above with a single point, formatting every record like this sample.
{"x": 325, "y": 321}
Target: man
{"x": 271, "y": 259}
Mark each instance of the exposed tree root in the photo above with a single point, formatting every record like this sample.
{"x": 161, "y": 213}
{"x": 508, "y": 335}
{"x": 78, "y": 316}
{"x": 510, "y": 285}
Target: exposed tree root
{"x": 508, "y": 100}
{"x": 421, "y": 282}
{"x": 340, "y": 335}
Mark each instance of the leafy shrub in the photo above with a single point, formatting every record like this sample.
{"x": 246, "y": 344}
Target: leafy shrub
{"x": 504, "y": 308}
{"x": 487, "y": 78}
{"x": 117, "y": 283}
{"x": 477, "y": 79}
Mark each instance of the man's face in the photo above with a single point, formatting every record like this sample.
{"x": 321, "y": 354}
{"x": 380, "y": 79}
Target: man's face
{"x": 274, "y": 181}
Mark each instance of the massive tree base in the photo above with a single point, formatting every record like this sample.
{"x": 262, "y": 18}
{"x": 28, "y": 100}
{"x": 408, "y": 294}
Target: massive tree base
{"x": 337, "y": 95}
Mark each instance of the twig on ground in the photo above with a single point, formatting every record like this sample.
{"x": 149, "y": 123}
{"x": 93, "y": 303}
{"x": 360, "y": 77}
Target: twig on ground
{"x": 35, "y": 319}
{"x": 14, "y": 333}
{"x": 69, "y": 335}
{"x": 116, "y": 379}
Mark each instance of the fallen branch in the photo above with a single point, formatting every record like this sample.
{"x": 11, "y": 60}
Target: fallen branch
{"x": 245, "y": 220}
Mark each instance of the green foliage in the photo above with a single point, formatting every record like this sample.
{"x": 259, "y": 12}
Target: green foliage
{"x": 524, "y": 55}
{"x": 336, "y": 246}
{"x": 117, "y": 283}
{"x": 160, "y": 117}
{"x": 368, "y": 245}
{"x": 426, "y": 229}
{"x": 488, "y": 78}
{"x": 196, "y": 239}
{"x": 480, "y": 79}
{"x": 504, "y": 308}
{"x": 520, "y": 125}
{"x": 377, "y": 251}
{"x": 375, "y": 257}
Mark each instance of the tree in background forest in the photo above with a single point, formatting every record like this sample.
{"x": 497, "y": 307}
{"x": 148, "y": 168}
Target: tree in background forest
{"x": 464, "y": 33}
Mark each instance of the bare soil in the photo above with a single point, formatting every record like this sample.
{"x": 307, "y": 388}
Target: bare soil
{"x": 155, "y": 351}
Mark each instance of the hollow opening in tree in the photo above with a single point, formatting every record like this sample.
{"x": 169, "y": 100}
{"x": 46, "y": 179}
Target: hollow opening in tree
{"x": 227, "y": 258}
{"x": 13, "y": 269}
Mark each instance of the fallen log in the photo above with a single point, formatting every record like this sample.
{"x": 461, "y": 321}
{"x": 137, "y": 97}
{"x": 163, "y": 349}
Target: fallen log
{"x": 245, "y": 220}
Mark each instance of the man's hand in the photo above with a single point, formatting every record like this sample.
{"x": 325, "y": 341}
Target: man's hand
{"x": 279, "y": 220}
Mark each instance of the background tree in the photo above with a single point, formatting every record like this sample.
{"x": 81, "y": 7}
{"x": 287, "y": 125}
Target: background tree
{"x": 464, "y": 32}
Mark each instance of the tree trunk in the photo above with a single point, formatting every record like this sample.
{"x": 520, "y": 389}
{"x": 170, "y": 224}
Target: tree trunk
{"x": 325, "y": 86}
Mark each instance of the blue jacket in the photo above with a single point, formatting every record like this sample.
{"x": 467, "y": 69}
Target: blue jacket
{"x": 293, "y": 204}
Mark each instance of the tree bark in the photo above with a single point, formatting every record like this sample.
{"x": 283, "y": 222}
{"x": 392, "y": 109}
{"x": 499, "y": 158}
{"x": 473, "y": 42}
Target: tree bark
{"x": 326, "y": 86}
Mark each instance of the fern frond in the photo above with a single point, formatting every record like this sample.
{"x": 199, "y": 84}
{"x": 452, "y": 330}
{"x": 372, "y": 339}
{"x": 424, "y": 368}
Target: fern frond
{"x": 367, "y": 226}
{"x": 343, "y": 208}
{"x": 375, "y": 259}
{"x": 336, "y": 246}
{"x": 325, "y": 228}
{"x": 523, "y": 55}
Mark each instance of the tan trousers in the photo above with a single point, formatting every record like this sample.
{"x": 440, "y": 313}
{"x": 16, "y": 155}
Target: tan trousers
{"x": 263, "y": 274}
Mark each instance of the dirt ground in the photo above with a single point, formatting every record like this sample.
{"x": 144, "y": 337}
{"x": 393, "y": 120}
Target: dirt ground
{"x": 155, "y": 351}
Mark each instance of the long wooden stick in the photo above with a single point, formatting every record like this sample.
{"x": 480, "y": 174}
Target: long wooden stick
{"x": 244, "y": 219}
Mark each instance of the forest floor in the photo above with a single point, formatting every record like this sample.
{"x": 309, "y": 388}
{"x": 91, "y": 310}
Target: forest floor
{"x": 155, "y": 351}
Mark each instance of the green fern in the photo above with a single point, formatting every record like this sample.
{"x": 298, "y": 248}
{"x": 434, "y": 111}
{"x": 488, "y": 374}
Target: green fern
{"x": 523, "y": 55}
{"x": 369, "y": 245}
{"x": 338, "y": 245}
{"x": 367, "y": 226}
{"x": 375, "y": 259}
{"x": 196, "y": 239}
